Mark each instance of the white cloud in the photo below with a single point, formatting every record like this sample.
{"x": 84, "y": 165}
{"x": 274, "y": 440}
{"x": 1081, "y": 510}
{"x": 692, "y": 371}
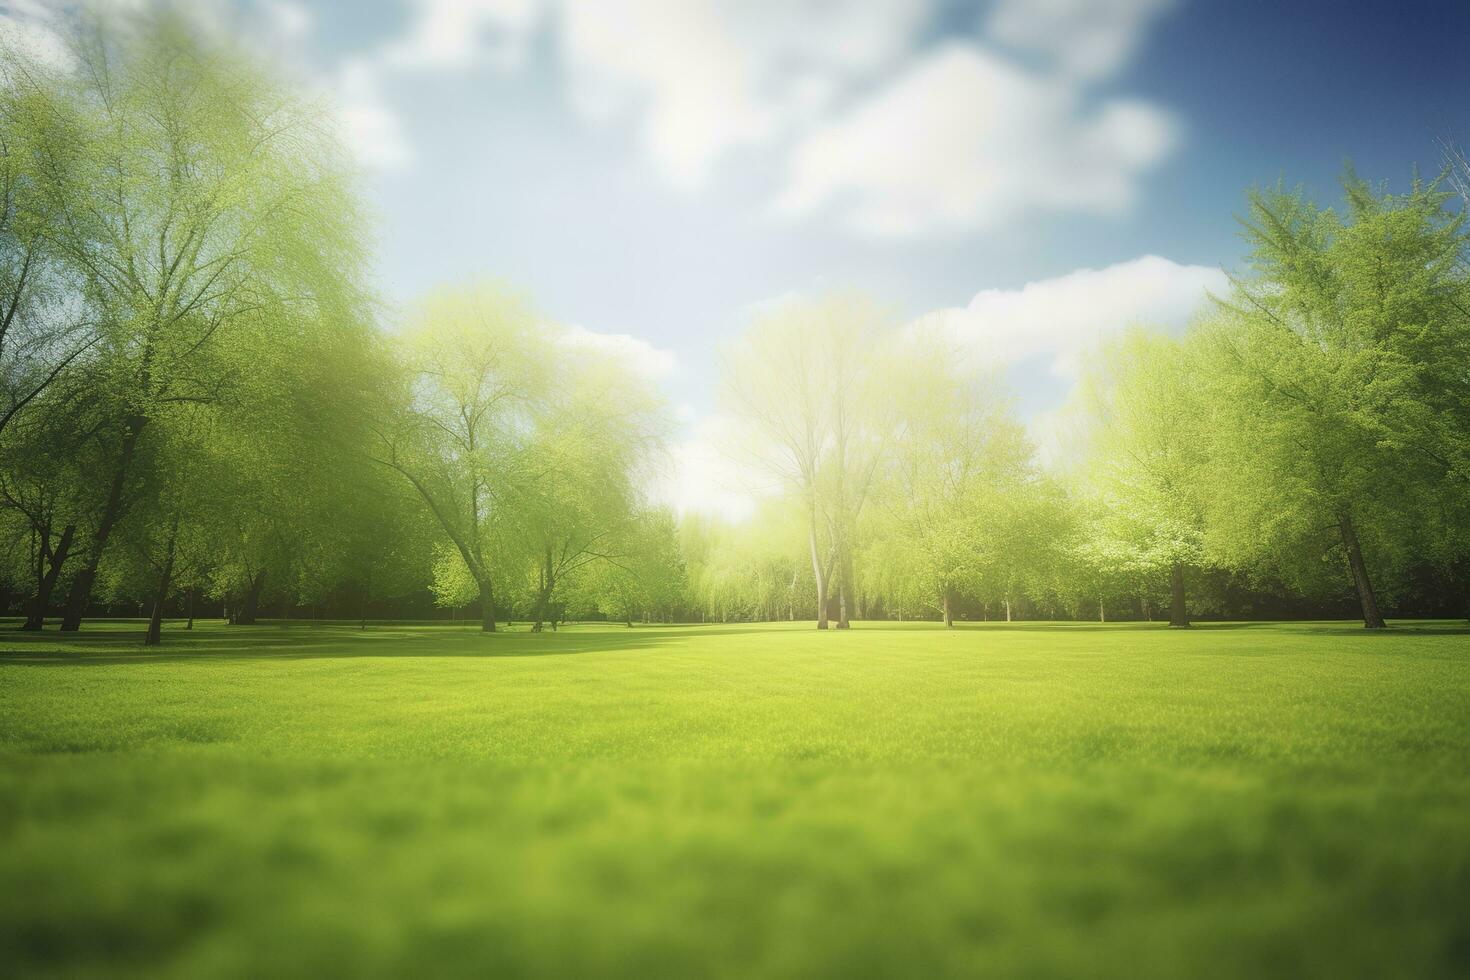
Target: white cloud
{"x": 368, "y": 124}
{"x": 288, "y": 20}
{"x": 701, "y": 479}
{"x": 894, "y": 139}
{"x": 366, "y": 120}
{"x": 696, "y": 78}
{"x": 702, "y": 77}
{"x": 1084, "y": 38}
{"x": 671, "y": 65}
{"x": 450, "y": 34}
{"x": 636, "y": 353}
{"x": 967, "y": 141}
{"x": 859, "y": 119}
{"x": 1064, "y": 318}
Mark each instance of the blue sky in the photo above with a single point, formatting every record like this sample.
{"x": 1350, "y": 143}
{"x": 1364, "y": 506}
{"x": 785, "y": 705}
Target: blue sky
{"x": 510, "y": 177}
{"x": 657, "y": 168}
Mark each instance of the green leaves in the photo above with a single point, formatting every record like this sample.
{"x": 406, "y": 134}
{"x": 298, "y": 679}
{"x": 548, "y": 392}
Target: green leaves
{"x": 1336, "y": 382}
{"x": 524, "y": 447}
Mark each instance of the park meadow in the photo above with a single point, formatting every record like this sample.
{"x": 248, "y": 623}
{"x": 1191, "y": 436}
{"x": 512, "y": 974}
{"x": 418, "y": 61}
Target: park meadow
{"x": 344, "y": 636}
{"x": 731, "y": 800}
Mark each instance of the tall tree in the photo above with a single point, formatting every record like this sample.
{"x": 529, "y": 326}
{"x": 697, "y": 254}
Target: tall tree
{"x": 1329, "y": 366}
{"x": 803, "y": 379}
{"x": 959, "y": 450}
{"x": 204, "y": 209}
{"x": 576, "y": 494}
{"x": 45, "y": 323}
{"x": 45, "y": 492}
{"x": 476, "y": 366}
{"x": 1147, "y": 455}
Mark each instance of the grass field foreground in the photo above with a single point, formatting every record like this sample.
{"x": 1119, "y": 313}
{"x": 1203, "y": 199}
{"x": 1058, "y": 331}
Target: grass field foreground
{"x": 1037, "y": 799}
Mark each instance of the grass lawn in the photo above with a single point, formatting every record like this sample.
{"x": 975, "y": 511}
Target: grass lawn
{"x": 1037, "y": 800}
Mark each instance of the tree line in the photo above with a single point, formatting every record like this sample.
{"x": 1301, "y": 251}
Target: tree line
{"x": 1303, "y": 442}
{"x": 207, "y": 409}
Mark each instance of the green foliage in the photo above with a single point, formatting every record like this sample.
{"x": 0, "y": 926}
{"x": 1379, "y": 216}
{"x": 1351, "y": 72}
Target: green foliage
{"x": 958, "y": 466}
{"x": 1148, "y": 446}
{"x": 198, "y": 398}
{"x": 453, "y": 585}
{"x": 1308, "y": 437}
{"x": 806, "y": 382}
{"x": 525, "y": 446}
{"x": 1328, "y": 361}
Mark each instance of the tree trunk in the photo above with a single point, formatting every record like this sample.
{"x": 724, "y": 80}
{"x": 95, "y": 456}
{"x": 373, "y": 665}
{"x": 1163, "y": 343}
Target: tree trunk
{"x": 487, "y": 607}
{"x": 251, "y": 606}
{"x": 1008, "y": 608}
{"x": 189, "y": 607}
{"x": 948, "y": 612}
{"x": 1178, "y": 610}
{"x": 1372, "y": 618}
{"x": 543, "y": 595}
{"x": 817, "y": 573}
{"x": 36, "y": 617}
{"x": 847, "y": 588}
{"x": 1102, "y": 610}
{"x": 155, "y": 622}
{"x": 81, "y": 588}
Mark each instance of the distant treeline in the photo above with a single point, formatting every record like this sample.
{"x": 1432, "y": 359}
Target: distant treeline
{"x": 207, "y": 411}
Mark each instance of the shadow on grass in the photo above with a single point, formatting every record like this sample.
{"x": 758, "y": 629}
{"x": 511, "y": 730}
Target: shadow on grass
{"x": 119, "y": 642}
{"x": 1326, "y": 627}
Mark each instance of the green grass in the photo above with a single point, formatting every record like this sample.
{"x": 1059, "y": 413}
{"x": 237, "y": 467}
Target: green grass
{"x": 1036, "y": 800}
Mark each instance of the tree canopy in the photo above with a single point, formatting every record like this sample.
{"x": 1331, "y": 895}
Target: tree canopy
{"x": 205, "y": 407}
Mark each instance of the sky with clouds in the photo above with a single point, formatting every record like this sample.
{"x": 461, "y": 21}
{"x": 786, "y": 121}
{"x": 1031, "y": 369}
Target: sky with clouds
{"x": 1035, "y": 172}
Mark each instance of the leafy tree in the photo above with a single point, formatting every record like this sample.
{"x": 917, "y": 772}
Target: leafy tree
{"x": 475, "y": 364}
{"x": 44, "y": 324}
{"x": 575, "y": 497}
{"x": 804, "y": 380}
{"x": 44, "y": 493}
{"x": 959, "y": 448}
{"x": 204, "y": 211}
{"x": 1327, "y": 370}
{"x": 1148, "y": 452}
{"x": 648, "y": 579}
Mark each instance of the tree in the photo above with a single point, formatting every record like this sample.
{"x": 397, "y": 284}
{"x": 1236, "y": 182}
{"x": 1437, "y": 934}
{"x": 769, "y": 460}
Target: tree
{"x": 800, "y": 379}
{"x": 44, "y": 493}
{"x": 476, "y": 365}
{"x": 648, "y": 578}
{"x": 575, "y": 493}
{"x": 177, "y": 475}
{"x": 205, "y": 212}
{"x": 960, "y": 448}
{"x": 45, "y": 325}
{"x": 755, "y": 570}
{"x": 1027, "y": 529}
{"x": 1328, "y": 365}
{"x": 1147, "y": 456}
